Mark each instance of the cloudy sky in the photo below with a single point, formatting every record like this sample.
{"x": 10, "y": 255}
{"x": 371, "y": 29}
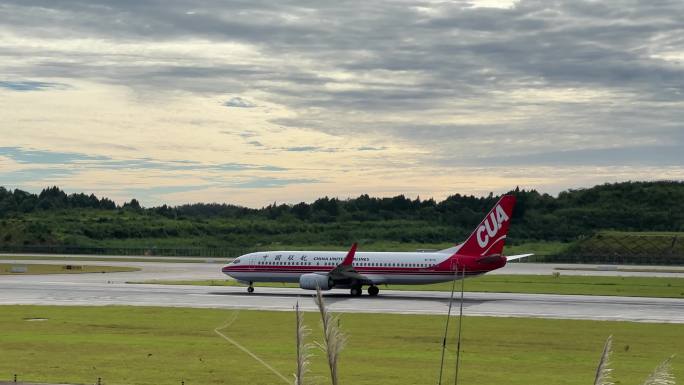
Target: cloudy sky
{"x": 252, "y": 101}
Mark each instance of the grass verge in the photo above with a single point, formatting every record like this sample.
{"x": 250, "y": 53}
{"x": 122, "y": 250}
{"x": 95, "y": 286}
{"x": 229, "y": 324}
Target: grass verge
{"x": 35, "y": 269}
{"x": 663, "y": 287}
{"x": 160, "y": 346}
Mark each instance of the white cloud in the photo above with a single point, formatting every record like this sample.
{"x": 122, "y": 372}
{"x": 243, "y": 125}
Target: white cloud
{"x": 435, "y": 88}
{"x": 239, "y": 102}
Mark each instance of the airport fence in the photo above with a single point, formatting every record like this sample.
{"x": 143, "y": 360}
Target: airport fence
{"x": 607, "y": 259}
{"x": 620, "y": 248}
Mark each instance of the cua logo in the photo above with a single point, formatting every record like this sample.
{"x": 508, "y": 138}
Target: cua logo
{"x": 491, "y": 226}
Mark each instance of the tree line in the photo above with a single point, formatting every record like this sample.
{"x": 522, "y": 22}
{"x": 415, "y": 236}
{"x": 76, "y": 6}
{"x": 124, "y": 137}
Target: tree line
{"x": 627, "y": 206}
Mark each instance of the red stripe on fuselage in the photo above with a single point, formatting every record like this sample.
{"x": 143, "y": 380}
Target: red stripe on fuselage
{"x": 324, "y": 269}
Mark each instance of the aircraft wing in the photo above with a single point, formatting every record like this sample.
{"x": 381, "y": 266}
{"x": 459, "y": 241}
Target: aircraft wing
{"x": 345, "y": 271}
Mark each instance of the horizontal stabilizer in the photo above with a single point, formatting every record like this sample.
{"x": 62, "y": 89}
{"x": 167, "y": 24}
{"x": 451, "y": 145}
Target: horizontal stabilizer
{"x": 514, "y": 257}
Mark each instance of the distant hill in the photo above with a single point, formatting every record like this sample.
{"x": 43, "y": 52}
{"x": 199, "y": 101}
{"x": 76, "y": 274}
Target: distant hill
{"x": 53, "y": 217}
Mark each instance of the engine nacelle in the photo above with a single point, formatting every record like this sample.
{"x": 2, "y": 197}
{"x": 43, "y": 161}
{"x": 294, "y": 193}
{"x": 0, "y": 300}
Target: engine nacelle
{"x": 313, "y": 281}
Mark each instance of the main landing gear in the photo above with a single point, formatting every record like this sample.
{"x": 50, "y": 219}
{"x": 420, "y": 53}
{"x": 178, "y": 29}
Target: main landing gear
{"x": 250, "y": 288}
{"x": 358, "y": 290}
{"x": 373, "y": 291}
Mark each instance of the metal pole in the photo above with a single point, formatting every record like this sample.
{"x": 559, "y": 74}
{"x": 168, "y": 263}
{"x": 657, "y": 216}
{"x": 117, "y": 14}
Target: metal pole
{"x": 460, "y": 324}
{"x": 446, "y": 328}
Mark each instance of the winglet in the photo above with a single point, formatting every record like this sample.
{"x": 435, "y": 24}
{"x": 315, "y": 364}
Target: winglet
{"x": 349, "y": 259}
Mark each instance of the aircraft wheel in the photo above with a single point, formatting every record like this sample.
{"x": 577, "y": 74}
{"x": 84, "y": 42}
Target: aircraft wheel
{"x": 250, "y": 289}
{"x": 373, "y": 291}
{"x": 355, "y": 291}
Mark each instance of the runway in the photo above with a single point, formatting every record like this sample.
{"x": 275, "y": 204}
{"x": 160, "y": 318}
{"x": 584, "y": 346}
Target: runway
{"x": 111, "y": 289}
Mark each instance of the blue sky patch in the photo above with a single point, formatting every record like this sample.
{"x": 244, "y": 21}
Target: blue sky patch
{"x": 25, "y": 156}
{"x": 29, "y": 85}
{"x": 47, "y": 176}
{"x": 43, "y": 157}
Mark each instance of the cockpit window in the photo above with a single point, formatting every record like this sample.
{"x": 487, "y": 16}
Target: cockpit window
{"x": 236, "y": 261}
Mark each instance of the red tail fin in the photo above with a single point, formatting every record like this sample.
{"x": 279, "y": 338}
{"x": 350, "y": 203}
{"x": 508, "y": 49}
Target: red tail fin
{"x": 489, "y": 237}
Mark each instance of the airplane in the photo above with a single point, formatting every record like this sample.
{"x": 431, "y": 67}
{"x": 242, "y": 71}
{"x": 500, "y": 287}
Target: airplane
{"x": 482, "y": 252}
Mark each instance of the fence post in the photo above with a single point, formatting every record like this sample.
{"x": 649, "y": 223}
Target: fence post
{"x": 99, "y": 381}
{"x": 15, "y": 378}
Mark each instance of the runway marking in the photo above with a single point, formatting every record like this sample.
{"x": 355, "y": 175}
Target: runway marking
{"x": 244, "y": 349}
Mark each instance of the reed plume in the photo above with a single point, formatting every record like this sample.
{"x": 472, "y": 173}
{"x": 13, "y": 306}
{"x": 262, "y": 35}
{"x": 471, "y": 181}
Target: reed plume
{"x": 603, "y": 370}
{"x": 662, "y": 375}
{"x": 334, "y": 339}
{"x": 303, "y": 349}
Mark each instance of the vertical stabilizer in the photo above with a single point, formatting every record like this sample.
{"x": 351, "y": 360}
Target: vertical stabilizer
{"x": 490, "y": 235}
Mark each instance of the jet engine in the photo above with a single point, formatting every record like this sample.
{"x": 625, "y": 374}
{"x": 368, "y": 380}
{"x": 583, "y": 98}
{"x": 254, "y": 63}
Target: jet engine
{"x": 312, "y": 281}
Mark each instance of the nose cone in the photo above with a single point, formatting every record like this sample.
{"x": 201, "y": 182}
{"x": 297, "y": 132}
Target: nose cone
{"x": 232, "y": 266}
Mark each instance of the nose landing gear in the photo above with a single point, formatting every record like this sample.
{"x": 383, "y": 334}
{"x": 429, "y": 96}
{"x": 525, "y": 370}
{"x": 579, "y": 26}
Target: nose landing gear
{"x": 250, "y": 288}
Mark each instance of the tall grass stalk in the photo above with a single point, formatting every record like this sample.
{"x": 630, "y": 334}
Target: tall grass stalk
{"x": 303, "y": 349}
{"x": 460, "y": 328}
{"x": 603, "y": 370}
{"x": 662, "y": 375}
{"x": 247, "y": 351}
{"x": 334, "y": 339}
{"x": 446, "y": 330}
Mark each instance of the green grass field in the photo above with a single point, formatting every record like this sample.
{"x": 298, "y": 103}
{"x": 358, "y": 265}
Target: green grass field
{"x": 160, "y": 346}
{"x": 538, "y": 284}
{"x": 33, "y": 269}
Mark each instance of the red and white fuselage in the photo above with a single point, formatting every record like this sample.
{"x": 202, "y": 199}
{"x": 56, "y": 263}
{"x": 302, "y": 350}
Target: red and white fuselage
{"x": 479, "y": 254}
{"x": 378, "y": 267}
